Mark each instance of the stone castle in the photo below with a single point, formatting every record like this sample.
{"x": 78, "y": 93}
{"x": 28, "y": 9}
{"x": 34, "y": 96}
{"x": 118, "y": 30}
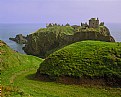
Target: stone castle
{"x": 93, "y": 23}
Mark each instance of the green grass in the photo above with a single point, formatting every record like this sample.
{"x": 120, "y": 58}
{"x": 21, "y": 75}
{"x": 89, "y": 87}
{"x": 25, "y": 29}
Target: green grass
{"x": 27, "y": 87}
{"x": 51, "y": 89}
{"x": 10, "y": 58}
{"x": 85, "y": 59}
{"x": 33, "y": 88}
{"x": 59, "y": 30}
{"x": 19, "y": 81}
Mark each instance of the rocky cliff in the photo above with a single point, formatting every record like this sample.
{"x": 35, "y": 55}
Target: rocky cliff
{"x": 47, "y": 40}
{"x": 19, "y": 39}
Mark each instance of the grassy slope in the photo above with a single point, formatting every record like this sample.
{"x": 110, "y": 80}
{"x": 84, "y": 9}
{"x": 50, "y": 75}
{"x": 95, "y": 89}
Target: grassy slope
{"x": 18, "y": 81}
{"x": 10, "y": 58}
{"x": 11, "y": 63}
{"x": 87, "y": 58}
{"x": 68, "y": 30}
{"x": 51, "y": 89}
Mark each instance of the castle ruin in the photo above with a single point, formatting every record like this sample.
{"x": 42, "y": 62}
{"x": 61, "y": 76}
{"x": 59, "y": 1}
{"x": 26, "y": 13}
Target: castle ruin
{"x": 93, "y": 23}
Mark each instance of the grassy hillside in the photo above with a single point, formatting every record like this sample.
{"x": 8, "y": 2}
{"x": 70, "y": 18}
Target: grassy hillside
{"x": 19, "y": 80}
{"x": 92, "y": 59}
{"x": 12, "y": 62}
{"x": 10, "y": 58}
{"x": 25, "y": 85}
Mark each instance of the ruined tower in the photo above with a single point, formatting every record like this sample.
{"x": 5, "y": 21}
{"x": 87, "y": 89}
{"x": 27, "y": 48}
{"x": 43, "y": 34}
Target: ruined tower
{"x": 93, "y": 23}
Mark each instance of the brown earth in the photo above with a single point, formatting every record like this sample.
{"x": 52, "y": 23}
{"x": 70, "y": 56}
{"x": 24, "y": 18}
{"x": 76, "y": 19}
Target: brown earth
{"x": 73, "y": 80}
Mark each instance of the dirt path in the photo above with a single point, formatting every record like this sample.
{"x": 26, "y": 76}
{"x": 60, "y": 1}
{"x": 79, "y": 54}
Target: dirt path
{"x": 13, "y": 77}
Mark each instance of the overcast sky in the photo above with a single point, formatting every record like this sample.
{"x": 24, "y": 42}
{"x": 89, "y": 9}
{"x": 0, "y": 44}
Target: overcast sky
{"x": 60, "y": 11}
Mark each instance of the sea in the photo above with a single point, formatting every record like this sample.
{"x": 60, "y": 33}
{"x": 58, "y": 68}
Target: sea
{"x": 11, "y": 30}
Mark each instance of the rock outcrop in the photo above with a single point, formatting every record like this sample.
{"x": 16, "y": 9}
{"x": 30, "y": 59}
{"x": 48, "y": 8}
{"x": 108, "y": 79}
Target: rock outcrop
{"x": 47, "y": 40}
{"x": 19, "y": 39}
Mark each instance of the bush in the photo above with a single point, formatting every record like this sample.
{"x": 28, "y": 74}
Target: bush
{"x": 85, "y": 59}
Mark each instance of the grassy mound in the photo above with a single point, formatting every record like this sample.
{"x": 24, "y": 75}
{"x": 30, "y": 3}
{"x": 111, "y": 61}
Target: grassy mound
{"x": 92, "y": 59}
{"x": 19, "y": 81}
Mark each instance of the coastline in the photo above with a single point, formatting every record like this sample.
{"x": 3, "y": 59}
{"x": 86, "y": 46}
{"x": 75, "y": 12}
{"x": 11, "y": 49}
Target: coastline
{"x": 11, "y": 30}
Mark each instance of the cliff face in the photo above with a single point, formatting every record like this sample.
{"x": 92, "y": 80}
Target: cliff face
{"x": 19, "y": 39}
{"x": 47, "y": 40}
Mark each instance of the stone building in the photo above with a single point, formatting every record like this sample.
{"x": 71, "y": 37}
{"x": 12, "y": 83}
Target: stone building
{"x": 52, "y": 25}
{"x": 84, "y": 25}
{"x": 93, "y": 23}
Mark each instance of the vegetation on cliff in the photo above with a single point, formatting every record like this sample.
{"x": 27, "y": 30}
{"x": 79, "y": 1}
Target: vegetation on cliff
{"x": 47, "y": 40}
{"x": 91, "y": 59}
{"x": 19, "y": 80}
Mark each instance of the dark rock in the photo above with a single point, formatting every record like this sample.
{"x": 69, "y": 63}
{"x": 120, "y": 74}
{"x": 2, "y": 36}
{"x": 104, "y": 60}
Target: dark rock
{"x": 19, "y": 39}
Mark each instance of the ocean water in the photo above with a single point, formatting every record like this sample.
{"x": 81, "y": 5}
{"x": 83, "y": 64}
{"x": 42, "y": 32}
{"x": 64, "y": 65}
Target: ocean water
{"x": 11, "y": 30}
{"x": 115, "y": 30}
